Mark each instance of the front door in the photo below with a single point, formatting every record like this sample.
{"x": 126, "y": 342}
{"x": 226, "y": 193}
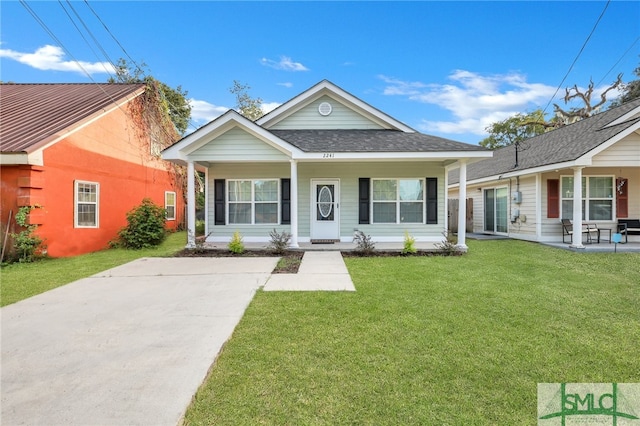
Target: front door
{"x": 325, "y": 210}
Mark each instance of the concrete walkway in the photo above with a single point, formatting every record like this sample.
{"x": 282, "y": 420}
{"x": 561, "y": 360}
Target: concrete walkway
{"x": 131, "y": 345}
{"x": 319, "y": 271}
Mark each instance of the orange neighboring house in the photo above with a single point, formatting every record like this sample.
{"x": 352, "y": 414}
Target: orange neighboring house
{"x": 86, "y": 154}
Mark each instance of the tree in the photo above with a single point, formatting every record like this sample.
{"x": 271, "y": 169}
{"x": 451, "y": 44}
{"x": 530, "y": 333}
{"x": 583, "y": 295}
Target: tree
{"x": 630, "y": 91}
{"x": 174, "y": 101}
{"x": 249, "y": 107}
{"x": 576, "y": 114}
{"x": 515, "y": 129}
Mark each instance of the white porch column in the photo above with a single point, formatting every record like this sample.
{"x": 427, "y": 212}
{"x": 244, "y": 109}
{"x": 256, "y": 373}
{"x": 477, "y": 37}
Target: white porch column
{"x": 191, "y": 205}
{"x": 294, "y": 204}
{"x": 576, "y": 241}
{"x": 462, "y": 206}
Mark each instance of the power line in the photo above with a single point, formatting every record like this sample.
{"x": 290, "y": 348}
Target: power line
{"x": 577, "y": 56}
{"x": 619, "y": 60}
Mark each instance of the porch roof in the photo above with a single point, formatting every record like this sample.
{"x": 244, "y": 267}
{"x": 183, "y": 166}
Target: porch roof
{"x": 561, "y": 146}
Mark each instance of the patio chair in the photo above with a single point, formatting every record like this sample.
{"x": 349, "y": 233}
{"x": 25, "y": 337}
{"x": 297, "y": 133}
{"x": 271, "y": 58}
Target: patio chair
{"x": 588, "y": 229}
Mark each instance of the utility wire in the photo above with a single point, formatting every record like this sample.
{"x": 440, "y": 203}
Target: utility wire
{"x": 621, "y": 58}
{"x": 85, "y": 39}
{"x": 138, "y": 66}
{"x": 577, "y": 56}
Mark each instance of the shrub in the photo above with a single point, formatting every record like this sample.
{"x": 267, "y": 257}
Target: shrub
{"x": 279, "y": 241}
{"x": 146, "y": 226}
{"x": 236, "y": 245}
{"x": 409, "y": 244}
{"x": 199, "y": 227}
{"x": 364, "y": 245}
{"x": 26, "y": 244}
{"x": 448, "y": 246}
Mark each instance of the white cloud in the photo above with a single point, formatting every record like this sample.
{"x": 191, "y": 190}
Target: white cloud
{"x": 287, "y": 84}
{"x": 51, "y": 58}
{"x": 285, "y": 63}
{"x": 269, "y": 106}
{"x": 203, "y": 111}
{"x": 474, "y": 100}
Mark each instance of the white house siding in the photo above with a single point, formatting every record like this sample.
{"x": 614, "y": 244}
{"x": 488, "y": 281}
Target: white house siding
{"x": 348, "y": 174}
{"x": 624, "y": 153}
{"x": 242, "y": 171}
{"x": 341, "y": 117}
{"x": 237, "y": 145}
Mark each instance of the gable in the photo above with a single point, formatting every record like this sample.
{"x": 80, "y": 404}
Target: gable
{"x": 623, "y": 153}
{"x": 237, "y": 144}
{"x": 340, "y": 117}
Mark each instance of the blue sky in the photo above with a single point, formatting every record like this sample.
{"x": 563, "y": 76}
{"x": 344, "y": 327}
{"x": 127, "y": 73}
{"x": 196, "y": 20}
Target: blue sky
{"x": 444, "y": 68}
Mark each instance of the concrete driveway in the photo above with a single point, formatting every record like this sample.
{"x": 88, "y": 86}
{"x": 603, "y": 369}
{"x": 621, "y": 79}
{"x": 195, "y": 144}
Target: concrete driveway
{"x": 128, "y": 346}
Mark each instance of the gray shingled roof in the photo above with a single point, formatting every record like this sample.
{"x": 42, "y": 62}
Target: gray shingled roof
{"x": 33, "y": 113}
{"x": 369, "y": 141}
{"x": 567, "y": 143}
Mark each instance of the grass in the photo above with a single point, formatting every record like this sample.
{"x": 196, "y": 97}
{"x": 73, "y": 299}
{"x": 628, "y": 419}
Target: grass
{"x": 430, "y": 340}
{"x": 22, "y": 280}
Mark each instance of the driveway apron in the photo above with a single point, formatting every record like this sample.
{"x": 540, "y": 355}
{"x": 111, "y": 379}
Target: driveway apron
{"x": 129, "y": 346}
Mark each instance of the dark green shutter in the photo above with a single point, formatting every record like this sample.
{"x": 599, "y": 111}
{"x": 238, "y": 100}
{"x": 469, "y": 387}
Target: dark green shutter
{"x": 219, "y": 201}
{"x": 363, "y": 200}
{"x": 432, "y": 200}
{"x": 285, "y": 201}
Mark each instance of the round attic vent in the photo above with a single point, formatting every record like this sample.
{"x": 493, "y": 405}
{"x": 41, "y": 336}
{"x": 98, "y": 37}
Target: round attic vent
{"x": 325, "y": 108}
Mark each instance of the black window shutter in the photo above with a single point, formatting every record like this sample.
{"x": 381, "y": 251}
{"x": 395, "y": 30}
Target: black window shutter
{"x": 432, "y": 200}
{"x": 363, "y": 200}
{"x": 285, "y": 201}
{"x": 219, "y": 201}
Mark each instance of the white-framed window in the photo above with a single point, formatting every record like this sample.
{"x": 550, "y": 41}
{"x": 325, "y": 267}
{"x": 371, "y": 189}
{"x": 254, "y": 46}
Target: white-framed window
{"x": 253, "y": 201}
{"x": 398, "y": 200}
{"x": 597, "y": 197}
{"x": 170, "y": 205}
{"x": 86, "y": 204}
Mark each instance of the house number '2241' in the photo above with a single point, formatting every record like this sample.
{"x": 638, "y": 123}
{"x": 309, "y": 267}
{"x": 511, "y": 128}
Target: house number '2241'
{"x": 328, "y": 155}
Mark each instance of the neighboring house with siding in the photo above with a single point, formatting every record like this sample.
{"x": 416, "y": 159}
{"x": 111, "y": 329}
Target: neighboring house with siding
{"x": 321, "y": 166}
{"x": 593, "y": 163}
{"x": 86, "y": 154}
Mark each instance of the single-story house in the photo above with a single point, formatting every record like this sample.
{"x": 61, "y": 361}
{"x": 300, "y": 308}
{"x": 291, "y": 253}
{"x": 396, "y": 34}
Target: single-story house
{"x": 587, "y": 172}
{"x": 84, "y": 154}
{"x": 321, "y": 166}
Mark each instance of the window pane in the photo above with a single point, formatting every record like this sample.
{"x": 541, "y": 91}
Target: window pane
{"x": 600, "y": 210}
{"x": 239, "y": 212}
{"x": 410, "y": 190}
{"x": 87, "y": 193}
{"x": 411, "y": 212}
{"x": 86, "y": 215}
{"x": 384, "y": 190}
{"x": 600, "y": 187}
{"x": 239, "y": 190}
{"x": 567, "y": 187}
{"x": 266, "y": 213}
{"x": 384, "y": 212}
{"x": 171, "y": 212}
{"x": 266, "y": 190}
{"x": 170, "y": 198}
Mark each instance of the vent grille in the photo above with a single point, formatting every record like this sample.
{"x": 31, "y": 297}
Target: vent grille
{"x": 325, "y": 108}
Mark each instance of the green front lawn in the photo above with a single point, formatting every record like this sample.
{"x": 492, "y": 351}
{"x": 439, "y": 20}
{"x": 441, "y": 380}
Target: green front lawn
{"x": 431, "y": 340}
{"x": 21, "y": 280}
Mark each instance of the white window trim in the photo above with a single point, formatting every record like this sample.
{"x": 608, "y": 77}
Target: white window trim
{"x": 398, "y": 201}
{"x": 76, "y": 203}
{"x": 253, "y": 202}
{"x": 166, "y": 204}
{"x": 587, "y": 199}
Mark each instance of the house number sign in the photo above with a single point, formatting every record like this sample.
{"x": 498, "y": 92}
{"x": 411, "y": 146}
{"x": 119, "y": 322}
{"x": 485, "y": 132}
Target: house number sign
{"x": 328, "y": 155}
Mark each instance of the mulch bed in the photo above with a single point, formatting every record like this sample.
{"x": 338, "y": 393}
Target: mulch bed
{"x": 288, "y": 264}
